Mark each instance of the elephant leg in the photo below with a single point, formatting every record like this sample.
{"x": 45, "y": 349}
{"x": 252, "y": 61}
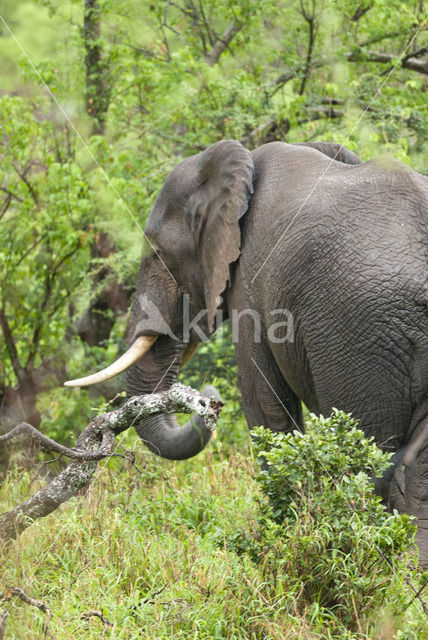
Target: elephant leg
{"x": 383, "y": 484}
{"x": 409, "y": 486}
{"x": 266, "y": 397}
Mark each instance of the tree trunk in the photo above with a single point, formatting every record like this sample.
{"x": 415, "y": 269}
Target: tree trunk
{"x": 97, "y": 83}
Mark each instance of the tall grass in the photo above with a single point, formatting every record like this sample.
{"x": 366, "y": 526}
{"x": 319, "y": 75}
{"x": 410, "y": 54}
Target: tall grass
{"x": 150, "y": 546}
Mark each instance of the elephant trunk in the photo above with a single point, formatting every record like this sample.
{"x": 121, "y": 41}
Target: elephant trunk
{"x": 162, "y": 434}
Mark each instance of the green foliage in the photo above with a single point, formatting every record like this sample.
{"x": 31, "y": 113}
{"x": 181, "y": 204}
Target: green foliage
{"x": 149, "y": 546}
{"x": 176, "y": 528}
{"x": 168, "y": 98}
{"x": 60, "y": 419}
{"x": 45, "y": 232}
{"x": 323, "y": 530}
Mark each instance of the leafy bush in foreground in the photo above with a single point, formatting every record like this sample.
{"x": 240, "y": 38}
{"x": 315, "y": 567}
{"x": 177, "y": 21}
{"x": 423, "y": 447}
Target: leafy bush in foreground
{"x": 324, "y": 533}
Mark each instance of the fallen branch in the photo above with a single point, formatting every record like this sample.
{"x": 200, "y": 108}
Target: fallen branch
{"x": 97, "y": 441}
{"x": 43, "y": 442}
{"x": 17, "y": 592}
{"x": 98, "y": 614}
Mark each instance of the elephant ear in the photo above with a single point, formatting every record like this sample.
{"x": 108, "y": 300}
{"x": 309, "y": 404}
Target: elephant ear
{"x": 225, "y": 185}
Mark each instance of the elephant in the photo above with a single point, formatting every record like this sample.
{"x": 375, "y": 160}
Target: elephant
{"x": 338, "y": 244}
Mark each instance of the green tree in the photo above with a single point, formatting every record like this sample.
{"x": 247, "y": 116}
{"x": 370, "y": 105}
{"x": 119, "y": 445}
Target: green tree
{"x": 44, "y": 252}
{"x": 166, "y": 79}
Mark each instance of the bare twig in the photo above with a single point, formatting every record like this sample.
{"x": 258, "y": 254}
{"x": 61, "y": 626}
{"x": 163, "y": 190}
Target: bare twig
{"x": 417, "y": 595}
{"x": 97, "y": 441}
{"x": 17, "y": 592}
{"x": 23, "y": 175}
{"x": 44, "y": 442}
{"x": 5, "y": 205}
{"x": 11, "y": 194}
{"x": 98, "y": 614}
{"x": 165, "y": 19}
{"x": 407, "y": 580}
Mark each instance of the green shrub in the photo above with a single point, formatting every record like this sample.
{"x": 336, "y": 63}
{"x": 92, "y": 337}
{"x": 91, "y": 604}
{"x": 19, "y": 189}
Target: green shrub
{"x": 323, "y": 532}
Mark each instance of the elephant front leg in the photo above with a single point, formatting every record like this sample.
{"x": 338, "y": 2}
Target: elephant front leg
{"x": 266, "y": 397}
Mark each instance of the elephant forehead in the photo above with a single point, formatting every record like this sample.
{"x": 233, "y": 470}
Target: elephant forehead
{"x": 182, "y": 180}
{"x": 170, "y": 204}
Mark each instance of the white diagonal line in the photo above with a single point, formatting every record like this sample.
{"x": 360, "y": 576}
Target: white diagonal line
{"x": 120, "y": 199}
{"x": 160, "y": 381}
{"x": 275, "y": 394}
{"x": 84, "y": 143}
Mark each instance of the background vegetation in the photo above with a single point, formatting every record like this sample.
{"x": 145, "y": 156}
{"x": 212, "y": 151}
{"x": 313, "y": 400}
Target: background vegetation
{"x": 98, "y": 101}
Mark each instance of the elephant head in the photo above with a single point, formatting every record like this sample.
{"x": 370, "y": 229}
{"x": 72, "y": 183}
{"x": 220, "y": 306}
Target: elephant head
{"x": 194, "y": 235}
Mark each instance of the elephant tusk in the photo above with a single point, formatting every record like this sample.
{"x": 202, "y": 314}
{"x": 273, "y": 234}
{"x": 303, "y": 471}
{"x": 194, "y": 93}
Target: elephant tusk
{"x": 189, "y": 352}
{"x": 134, "y": 353}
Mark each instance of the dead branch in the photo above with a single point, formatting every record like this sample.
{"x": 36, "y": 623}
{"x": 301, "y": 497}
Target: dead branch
{"x": 17, "y": 592}
{"x": 43, "y": 442}
{"x": 97, "y": 441}
{"x": 98, "y": 614}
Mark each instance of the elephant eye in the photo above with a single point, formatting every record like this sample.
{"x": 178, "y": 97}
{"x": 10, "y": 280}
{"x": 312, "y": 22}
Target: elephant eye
{"x": 150, "y": 248}
{"x": 154, "y": 249}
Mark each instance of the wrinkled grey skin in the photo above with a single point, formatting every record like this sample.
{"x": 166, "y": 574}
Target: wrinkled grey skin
{"x": 349, "y": 260}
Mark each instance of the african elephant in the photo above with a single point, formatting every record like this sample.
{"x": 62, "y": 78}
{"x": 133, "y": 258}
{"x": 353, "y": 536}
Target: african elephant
{"x": 341, "y": 245}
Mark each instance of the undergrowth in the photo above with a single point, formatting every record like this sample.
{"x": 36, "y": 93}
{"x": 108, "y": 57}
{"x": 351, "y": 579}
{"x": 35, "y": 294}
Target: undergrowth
{"x": 200, "y": 549}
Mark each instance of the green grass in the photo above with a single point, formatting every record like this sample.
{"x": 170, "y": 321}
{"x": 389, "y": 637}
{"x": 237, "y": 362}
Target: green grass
{"x": 150, "y": 546}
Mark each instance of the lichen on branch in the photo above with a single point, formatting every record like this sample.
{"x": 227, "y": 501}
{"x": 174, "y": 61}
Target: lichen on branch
{"x": 97, "y": 441}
